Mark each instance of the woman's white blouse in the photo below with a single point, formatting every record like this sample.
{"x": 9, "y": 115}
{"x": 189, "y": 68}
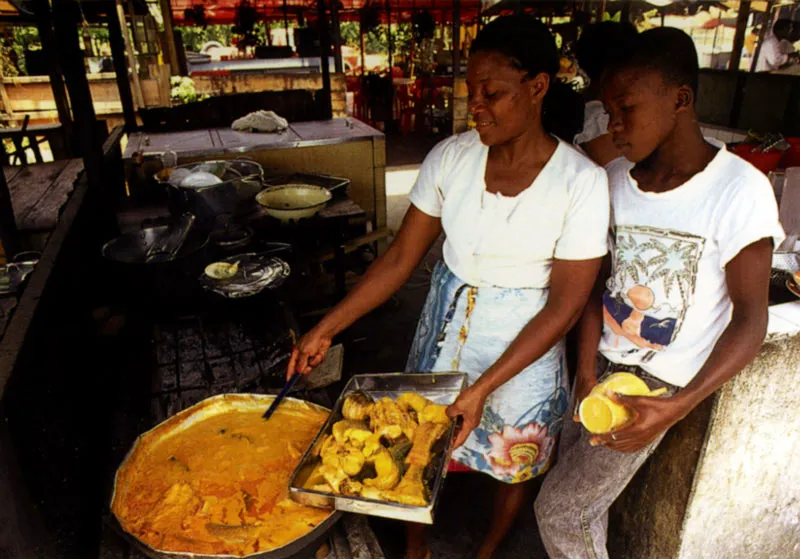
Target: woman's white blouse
{"x": 511, "y": 241}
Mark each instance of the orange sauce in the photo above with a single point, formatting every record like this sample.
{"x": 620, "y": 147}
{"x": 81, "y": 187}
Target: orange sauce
{"x": 220, "y": 486}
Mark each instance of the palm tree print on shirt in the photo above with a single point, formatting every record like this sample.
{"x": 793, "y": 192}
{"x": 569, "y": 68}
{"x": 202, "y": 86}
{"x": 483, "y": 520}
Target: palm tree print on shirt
{"x": 652, "y": 285}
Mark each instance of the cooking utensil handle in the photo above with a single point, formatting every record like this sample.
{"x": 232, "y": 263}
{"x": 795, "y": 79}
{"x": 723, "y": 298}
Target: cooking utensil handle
{"x": 286, "y": 388}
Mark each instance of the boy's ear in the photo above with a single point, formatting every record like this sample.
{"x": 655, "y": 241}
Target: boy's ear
{"x": 685, "y": 98}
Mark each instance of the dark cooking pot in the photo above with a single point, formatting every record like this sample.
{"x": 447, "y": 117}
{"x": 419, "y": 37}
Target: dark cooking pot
{"x": 156, "y": 282}
{"x": 239, "y": 181}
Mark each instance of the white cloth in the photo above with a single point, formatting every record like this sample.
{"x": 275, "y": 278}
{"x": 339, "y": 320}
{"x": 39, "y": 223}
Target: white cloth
{"x": 667, "y": 303}
{"x": 260, "y": 121}
{"x": 774, "y": 53}
{"x": 511, "y": 242}
{"x": 595, "y": 123}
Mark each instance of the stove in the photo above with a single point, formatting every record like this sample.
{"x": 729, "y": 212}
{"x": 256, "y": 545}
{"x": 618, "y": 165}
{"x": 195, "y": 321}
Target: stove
{"x": 233, "y": 348}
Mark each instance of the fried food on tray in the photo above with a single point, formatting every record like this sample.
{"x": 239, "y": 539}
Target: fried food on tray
{"x": 385, "y": 459}
{"x": 357, "y": 405}
{"x": 219, "y": 485}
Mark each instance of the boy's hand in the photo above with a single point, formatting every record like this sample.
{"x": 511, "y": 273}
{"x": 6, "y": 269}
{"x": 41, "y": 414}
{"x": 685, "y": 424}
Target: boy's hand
{"x": 650, "y": 417}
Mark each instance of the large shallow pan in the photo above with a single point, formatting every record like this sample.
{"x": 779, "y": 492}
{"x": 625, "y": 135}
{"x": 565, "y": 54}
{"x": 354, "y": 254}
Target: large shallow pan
{"x": 301, "y": 548}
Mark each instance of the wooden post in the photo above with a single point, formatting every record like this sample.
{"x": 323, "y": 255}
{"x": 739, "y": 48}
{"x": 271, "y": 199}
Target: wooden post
{"x": 66, "y": 17}
{"x": 389, "y": 41}
{"x": 121, "y": 69}
{"x": 762, "y": 34}
{"x": 363, "y": 58}
{"x": 325, "y": 51}
{"x": 44, "y": 23}
{"x": 9, "y": 235}
{"x": 337, "y": 37}
{"x": 137, "y": 86}
{"x": 286, "y": 21}
{"x": 456, "y": 38}
{"x": 602, "y": 11}
{"x": 169, "y": 32}
{"x": 625, "y": 15}
{"x": 4, "y": 94}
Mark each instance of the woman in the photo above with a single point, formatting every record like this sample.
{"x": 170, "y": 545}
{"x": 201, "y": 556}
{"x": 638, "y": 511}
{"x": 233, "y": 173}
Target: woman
{"x": 525, "y": 217}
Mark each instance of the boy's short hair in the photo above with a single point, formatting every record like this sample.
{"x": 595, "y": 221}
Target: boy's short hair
{"x": 601, "y": 42}
{"x": 666, "y": 50}
{"x": 782, "y": 28}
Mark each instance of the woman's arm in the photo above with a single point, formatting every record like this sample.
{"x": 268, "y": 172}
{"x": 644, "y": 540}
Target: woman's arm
{"x": 590, "y": 330}
{"x": 602, "y": 150}
{"x": 571, "y": 282}
{"x": 389, "y": 272}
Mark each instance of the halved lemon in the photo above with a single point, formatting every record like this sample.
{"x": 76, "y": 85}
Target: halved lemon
{"x": 596, "y": 414}
{"x": 222, "y": 270}
{"x": 627, "y": 384}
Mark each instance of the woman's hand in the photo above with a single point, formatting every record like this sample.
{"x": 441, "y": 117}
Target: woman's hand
{"x": 309, "y": 351}
{"x": 468, "y": 405}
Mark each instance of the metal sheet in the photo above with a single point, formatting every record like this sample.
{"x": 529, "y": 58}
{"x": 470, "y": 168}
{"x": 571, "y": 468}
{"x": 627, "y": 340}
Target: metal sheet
{"x": 441, "y": 388}
{"x": 218, "y": 141}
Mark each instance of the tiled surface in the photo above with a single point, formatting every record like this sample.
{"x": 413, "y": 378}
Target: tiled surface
{"x": 784, "y": 319}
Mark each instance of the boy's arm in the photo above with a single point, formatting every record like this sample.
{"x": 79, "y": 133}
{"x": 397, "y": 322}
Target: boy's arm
{"x": 590, "y": 330}
{"x": 747, "y": 278}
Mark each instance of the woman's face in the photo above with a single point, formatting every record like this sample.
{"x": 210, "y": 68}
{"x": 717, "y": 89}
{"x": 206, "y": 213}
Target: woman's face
{"x": 503, "y": 102}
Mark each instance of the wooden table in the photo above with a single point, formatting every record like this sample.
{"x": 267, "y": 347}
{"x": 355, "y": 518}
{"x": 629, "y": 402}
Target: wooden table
{"x": 38, "y": 192}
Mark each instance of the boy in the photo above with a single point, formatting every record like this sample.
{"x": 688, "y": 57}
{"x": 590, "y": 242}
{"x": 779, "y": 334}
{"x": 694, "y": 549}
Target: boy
{"x": 685, "y": 303}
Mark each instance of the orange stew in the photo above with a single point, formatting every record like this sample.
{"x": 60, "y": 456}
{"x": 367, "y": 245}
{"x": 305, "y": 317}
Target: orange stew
{"x": 220, "y": 486}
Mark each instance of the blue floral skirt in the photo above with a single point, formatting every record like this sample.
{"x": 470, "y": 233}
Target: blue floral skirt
{"x": 466, "y": 328}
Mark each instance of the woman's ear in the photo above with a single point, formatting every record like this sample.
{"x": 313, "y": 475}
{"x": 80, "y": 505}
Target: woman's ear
{"x": 685, "y": 98}
{"x": 538, "y": 86}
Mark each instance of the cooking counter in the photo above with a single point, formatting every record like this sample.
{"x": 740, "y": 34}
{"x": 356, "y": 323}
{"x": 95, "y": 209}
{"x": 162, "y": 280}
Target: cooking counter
{"x": 221, "y": 141}
{"x": 341, "y": 147}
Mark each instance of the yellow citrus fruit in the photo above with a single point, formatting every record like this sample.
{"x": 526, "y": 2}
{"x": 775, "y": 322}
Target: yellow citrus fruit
{"x": 596, "y": 414}
{"x": 627, "y": 384}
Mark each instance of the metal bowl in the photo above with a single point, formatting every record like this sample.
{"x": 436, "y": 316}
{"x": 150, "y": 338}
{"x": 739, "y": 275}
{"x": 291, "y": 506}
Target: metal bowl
{"x": 292, "y": 202}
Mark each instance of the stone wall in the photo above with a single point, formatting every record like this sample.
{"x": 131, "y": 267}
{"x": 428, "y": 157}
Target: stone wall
{"x": 726, "y": 480}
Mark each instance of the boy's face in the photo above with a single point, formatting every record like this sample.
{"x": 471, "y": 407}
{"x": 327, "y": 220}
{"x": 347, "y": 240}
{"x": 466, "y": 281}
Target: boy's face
{"x": 642, "y": 109}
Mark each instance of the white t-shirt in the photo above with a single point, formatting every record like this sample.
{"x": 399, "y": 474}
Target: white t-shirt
{"x": 511, "y": 242}
{"x": 666, "y": 303}
{"x": 774, "y": 53}
{"x": 595, "y": 123}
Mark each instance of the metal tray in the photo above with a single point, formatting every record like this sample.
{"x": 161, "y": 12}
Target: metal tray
{"x": 441, "y": 388}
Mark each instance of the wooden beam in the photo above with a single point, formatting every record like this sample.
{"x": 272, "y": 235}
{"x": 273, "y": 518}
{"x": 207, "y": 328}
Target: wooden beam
{"x": 9, "y": 234}
{"x": 363, "y": 58}
{"x": 625, "y": 15}
{"x": 456, "y": 38}
{"x": 169, "y": 32}
{"x": 66, "y": 17}
{"x": 44, "y": 24}
{"x": 389, "y": 41}
{"x": 137, "y": 86}
{"x": 325, "y": 52}
{"x": 337, "y": 37}
{"x": 738, "y": 38}
{"x": 117, "y": 42}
